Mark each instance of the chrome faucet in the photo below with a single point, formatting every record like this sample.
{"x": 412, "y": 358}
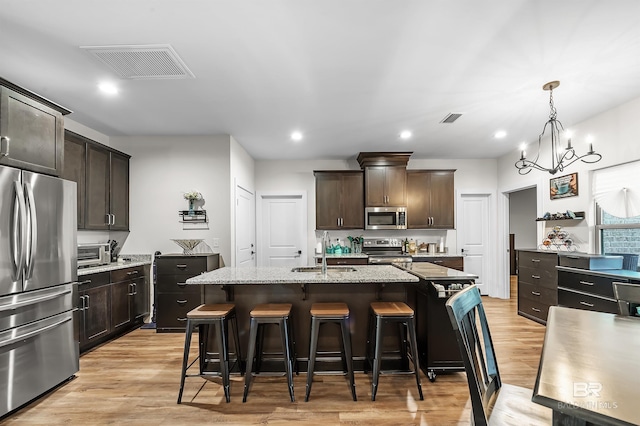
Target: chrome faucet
{"x": 325, "y": 239}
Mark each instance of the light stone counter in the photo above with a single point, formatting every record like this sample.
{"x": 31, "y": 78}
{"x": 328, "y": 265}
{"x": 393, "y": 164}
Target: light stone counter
{"x": 364, "y": 274}
{"x": 134, "y": 260}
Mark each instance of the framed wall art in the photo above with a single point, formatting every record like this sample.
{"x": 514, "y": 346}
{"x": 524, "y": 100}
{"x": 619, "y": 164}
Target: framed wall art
{"x": 563, "y": 186}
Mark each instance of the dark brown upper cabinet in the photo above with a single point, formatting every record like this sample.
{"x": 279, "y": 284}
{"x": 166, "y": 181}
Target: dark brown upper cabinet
{"x": 339, "y": 200}
{"x": 103, "y": 193}
{"x": 385, "y": 178}
{"x": 31, "y": 130}
{"x": 430, "y": 199}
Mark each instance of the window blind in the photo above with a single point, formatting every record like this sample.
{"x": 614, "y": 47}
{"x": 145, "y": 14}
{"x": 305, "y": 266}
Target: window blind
{"x": 617, "y": 189}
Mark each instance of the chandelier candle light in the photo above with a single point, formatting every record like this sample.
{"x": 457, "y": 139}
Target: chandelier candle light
{"x": 559, "y": 159}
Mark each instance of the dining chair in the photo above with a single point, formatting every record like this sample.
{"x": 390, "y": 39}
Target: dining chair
{"x": 492, "y": 402}
{"x": 628, "y": 297}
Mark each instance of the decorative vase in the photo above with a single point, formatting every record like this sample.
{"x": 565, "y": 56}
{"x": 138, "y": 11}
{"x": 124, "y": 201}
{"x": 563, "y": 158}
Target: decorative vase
{"x": 191, "y": 207}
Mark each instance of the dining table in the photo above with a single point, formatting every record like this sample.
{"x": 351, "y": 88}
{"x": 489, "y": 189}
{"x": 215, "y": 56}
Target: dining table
{"x": 589, "y": 371}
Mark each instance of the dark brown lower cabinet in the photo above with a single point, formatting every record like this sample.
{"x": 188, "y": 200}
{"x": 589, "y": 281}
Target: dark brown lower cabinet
{"x": 110, "y": 304}
{"x": 175, "y": 298}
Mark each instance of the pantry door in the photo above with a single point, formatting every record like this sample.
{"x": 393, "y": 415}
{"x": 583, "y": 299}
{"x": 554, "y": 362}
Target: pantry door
{"x": 473, "y": 229}
{"x": 245, "y": 228}
{"x": 282, "y": 229}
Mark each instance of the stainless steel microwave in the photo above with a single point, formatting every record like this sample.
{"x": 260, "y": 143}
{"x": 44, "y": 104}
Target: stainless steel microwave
{"x": 385, "y": 217}
{"x": 94, "y": 254}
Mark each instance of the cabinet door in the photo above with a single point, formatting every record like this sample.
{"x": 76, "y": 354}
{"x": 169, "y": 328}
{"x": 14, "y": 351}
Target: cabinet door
{"x": 374, "y": 181}
{"x": 140, "y": 303}
{"x": 418, "y": 199}
{"x": 442, "y": 200}
{"x": 119, "y": 192}
{"x": 121, "y": 294}
{"x": 32, "y": 134}
{"x": 396, "y": 186}
{"x": 97, "y": 312}
{"x": 328, "y": 190}
{"x": 74, "y": 169}
{"x": 97, "y": 188}
{"x": 352, "y": 213}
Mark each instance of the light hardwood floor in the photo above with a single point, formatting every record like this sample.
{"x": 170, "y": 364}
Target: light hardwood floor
{"x": 135, "y": 380}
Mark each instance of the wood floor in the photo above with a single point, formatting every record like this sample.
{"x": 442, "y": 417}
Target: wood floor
{"x": 135, "y": 380}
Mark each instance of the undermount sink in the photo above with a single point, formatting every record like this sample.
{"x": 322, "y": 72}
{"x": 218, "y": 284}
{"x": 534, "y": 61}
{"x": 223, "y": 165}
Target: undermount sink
{"x": 319, "y": 269}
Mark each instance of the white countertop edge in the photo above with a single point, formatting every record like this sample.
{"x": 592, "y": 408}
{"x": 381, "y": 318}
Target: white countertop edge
{"x": 111, "y": 267}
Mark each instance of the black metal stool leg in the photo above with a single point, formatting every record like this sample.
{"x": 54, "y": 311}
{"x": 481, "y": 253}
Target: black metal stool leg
{"x": 312, "y": 355}
{"x": 223, "y": 357}
{"x": 414, "y": 354}
{"x": 250, "y": 353}
{"x": 346, "y": 343}
{"x": 185, "y": 358}
{"x": 236, "y": 342}
{"x": 377, "y": 355}
{"x": 286, "y": 349}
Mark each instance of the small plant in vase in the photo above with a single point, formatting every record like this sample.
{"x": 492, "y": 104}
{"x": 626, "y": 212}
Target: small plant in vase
{"x": 192, "y": 196}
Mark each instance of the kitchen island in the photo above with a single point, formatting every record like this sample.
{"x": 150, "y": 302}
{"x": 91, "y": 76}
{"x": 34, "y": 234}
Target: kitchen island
{"x": 357, "y": 285}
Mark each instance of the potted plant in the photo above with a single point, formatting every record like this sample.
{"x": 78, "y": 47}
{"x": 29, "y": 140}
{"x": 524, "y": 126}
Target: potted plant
{"x": 192, "y": 196}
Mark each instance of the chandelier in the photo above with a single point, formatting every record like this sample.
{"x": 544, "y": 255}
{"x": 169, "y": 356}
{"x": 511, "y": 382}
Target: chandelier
{"x": 560, "y": 157}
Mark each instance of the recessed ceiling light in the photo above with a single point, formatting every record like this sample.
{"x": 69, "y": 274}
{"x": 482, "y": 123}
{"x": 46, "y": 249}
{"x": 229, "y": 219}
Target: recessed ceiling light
{"x": 108, "y": 88}
{"x": 405, "y": 134}
{"x": 500, "y": 134}
{"x": 296, "y": 136}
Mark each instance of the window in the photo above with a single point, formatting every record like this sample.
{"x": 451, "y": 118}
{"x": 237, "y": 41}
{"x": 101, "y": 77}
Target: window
{"x": 618, "y": 235}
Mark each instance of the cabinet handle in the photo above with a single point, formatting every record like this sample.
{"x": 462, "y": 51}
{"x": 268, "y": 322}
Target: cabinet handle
{"x": 81, "y": 302}
{"x": 4, "y": 146}
{"x": 537, "y": 277}
{"x": 586, "y": 283}
{"x": 135, "y": 288}
{"x": 87, "y": 305}
{"x": 535, "y": 260}
{"x": 181, "y": 266}
{"x": 133, "y": 273}
{"x": 438, "y": 261}
{"x": 130, "y": 289}
{"x": 586, "y": 304}
{"x": 574, "y": 257}
{"x": 536, "y": 310}
{"x": 535, "y": 293}
{"x": 181, "y": 285}
{"x": 181, "y": 319}
{"x": 84, "y": 282}
{"x": 113, "y": 219}
{"x": 181, "y": 302}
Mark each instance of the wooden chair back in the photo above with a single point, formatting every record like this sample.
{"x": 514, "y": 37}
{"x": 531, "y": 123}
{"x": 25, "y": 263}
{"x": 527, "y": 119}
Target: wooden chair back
{"x": 474, "y": 339}
{"x": 628, "y": 296}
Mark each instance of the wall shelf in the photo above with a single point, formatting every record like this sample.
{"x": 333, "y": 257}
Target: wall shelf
{"x": 579, "y": 216}
{"x": 196, "y": 216}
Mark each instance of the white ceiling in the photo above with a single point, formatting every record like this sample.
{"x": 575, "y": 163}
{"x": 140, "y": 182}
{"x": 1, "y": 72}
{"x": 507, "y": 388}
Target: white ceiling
{"x": 349, "y": 74}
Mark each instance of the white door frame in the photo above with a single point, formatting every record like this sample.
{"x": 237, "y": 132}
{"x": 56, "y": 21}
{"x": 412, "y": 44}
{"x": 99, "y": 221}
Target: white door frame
{"x": 274, "y": 194}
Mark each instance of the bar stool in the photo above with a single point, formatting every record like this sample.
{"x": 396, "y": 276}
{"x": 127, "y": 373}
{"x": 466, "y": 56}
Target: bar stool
{"x": 330, "y": 313}
{"x": 202, "y": 317}
{"x": 270, "y": 313}
{"x": 388, "y": 312}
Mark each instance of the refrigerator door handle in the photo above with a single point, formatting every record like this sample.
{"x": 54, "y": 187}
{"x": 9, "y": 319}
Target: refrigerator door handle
{"x": 33, "y": 333}
{"x": 32, "y": 301}
{"x": 19, "y": 236}
{"x": 33, "y": 220}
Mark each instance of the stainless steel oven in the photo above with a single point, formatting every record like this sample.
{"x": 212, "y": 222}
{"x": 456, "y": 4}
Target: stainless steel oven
{"x": 385, "y": 217}
{"x": 94, "y": 254}
{"x": 385, "y": 251}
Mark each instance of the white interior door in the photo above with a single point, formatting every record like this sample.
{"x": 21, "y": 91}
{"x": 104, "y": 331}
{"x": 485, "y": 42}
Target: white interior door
{"x": 473, "y": 236}
{"x": 245, "y": 228}
{"x": 282, "y": 224}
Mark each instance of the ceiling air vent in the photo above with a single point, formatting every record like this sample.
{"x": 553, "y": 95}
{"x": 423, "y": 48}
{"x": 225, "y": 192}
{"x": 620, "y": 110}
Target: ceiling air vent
{"x": 451, "y": 117}
{"x": 141, "y": 62}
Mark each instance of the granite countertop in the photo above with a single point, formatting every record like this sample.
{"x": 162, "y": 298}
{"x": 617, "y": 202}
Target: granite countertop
{"x": 609, "y": 273}
{"x": 427, "y": 254}
{"x": 430, "y": 271}
{"x": 342, "y": 255}
{"x": 124, "y": 261}
{"x": 365, "y": 274}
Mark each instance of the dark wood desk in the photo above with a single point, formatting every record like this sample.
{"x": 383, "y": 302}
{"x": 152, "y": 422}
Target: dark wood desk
{"x": 589, "y": 370}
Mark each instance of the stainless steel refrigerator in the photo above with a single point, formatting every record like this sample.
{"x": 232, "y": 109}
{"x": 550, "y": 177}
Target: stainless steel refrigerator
{"x": 38, "y": 285}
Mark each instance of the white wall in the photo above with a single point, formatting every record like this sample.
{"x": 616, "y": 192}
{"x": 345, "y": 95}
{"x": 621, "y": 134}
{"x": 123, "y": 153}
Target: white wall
{"x": 162, "y": 168}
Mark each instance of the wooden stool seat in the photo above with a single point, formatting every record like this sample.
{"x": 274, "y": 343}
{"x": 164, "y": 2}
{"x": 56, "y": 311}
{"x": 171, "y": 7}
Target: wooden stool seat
{"x": 391, "y": 309}
{"x": 261, "y": 315}
{"x": 271, "y": 310}
{"x": 211, "y": 311}
{"x": 334, "y": 313}
{"x": 329, "y": 310}
{"x": 202, "y": 317}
